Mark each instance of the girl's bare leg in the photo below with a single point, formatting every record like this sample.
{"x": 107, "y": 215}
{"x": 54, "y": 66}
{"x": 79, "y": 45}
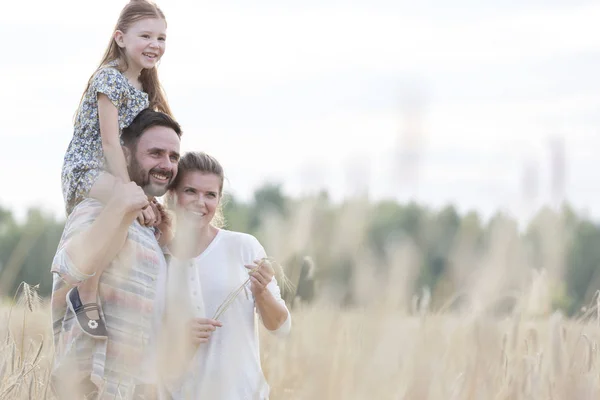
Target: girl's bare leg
{"x": 101, "y": 190}
{"x": 88, "y": 293}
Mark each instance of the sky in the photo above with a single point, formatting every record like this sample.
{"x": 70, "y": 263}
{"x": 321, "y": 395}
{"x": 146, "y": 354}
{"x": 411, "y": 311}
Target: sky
{"x": 442, "y": 103}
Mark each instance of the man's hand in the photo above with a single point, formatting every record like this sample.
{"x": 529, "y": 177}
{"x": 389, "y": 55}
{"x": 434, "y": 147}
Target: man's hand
{"x": 149, "y": 216}
{"x": 261, "y": 274}
{"x": 128, "y": 197}
{"x": 202, "y": 328}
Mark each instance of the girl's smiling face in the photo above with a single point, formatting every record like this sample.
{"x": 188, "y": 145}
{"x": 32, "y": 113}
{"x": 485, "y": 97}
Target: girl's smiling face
{"x": 144, "y": 42}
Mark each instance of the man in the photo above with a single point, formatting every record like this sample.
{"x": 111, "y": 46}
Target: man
{"x": 107, "y": 238}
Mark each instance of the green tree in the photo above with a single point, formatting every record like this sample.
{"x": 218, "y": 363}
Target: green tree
{"x": 268, "y": 199}
{"x": 27, "y": 250}
{"x": 583, "y": 264}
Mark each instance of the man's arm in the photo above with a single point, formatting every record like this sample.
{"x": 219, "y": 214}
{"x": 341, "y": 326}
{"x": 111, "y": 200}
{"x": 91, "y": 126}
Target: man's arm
{"x": 98, "y": 245}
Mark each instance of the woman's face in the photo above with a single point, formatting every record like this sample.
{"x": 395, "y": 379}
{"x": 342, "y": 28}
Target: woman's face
{"x": 198, "y": 195}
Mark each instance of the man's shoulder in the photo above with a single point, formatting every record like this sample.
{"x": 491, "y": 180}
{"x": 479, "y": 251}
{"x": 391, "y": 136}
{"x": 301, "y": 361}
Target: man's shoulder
{"x": 87, "y": 205}
{"x": 87, "y": 208}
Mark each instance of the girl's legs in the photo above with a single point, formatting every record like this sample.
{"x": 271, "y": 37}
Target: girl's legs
{"x": 103, "y": 187}
{"x": 88, "y": 293}
{"x": 101, "y": 190}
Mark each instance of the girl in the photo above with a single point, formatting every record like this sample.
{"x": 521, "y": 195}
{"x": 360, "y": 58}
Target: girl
{"x": 125, "y": 83}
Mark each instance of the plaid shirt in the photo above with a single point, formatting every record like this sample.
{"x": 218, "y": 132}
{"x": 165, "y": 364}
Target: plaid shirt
{"x": 131, "y": 293}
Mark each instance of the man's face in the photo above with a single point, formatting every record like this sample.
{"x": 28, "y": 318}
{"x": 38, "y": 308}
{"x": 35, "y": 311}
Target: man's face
{"x": 154, "y": 164}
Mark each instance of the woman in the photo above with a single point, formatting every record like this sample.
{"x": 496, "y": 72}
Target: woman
{"x": 226, "y": 362}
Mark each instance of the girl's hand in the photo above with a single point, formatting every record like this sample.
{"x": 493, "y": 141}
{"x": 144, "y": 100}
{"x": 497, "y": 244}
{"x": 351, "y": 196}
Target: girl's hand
{"x": 261, "y": 274}
{"x": 201, "y": 329}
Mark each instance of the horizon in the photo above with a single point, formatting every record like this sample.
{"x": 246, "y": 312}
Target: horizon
{"x": 463, "y": 105}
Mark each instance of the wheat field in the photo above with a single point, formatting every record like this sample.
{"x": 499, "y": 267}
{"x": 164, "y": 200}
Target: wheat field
{"x": 378, "y": 355}
{"x": 374, "y": 353}
{"x": 493, "y": 335}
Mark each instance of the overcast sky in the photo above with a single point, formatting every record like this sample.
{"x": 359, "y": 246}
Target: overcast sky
{"x": 329, "y": 94}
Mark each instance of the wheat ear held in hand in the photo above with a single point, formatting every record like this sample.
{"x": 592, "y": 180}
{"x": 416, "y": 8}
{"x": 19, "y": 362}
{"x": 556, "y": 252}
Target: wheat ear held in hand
{"x": 279, "y": 276}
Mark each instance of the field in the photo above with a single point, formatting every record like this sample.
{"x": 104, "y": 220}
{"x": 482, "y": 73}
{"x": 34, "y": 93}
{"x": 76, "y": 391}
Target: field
{"x": 378, "y": 355}
{"x": 490, "y": 328}
{"x": 373, "y": 353}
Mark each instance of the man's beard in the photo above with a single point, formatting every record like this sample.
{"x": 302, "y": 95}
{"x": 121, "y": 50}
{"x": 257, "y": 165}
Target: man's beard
{"x": 138, "y": 175}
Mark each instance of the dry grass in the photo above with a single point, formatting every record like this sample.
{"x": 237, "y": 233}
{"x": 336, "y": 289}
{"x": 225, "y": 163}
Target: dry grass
{"x": 375, "y": 353}
{"x": 361, "y": 355}
{"x": 25, "y": 348}
{"x": 451, "y": 345}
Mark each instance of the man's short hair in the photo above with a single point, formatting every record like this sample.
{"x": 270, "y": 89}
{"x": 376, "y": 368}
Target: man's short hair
{"x": 146, "y": 120}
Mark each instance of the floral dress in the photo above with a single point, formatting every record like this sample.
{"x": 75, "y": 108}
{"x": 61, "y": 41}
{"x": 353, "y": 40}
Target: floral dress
{"x": 84, "y": 159}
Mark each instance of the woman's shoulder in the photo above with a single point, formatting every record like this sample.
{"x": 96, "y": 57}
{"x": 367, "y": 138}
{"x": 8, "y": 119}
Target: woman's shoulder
{"x": 245, "y": 245}
{"x": 241, "y": 239}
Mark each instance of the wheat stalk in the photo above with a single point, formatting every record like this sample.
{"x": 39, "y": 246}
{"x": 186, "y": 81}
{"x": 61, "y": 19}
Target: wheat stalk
{"x": 279, "y": 276}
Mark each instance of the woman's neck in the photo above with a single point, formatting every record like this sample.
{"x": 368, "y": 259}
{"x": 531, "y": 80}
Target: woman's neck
{"x": 205, "y": 235}
{"x": 201, "y": 237}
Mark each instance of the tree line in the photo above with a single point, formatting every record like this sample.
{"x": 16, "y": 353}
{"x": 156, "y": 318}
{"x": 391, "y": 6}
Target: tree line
{"x": 326, "y": 246}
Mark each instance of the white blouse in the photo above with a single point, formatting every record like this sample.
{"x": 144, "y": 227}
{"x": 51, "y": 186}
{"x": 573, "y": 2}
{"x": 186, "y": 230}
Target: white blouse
{"x": 228, "y": 366}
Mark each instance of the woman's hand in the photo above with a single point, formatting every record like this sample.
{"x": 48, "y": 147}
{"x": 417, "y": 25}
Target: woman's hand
{"x": 202, "y": 328}
{"x": 164, "y": 224}
{"x": 261, "y": 274}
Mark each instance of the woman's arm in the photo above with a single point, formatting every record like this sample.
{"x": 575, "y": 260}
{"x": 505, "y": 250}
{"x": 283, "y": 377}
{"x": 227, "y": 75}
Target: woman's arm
{"x": 272, "y": 310}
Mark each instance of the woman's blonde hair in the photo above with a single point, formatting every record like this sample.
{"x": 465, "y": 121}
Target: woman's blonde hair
{"x": 205, "y": 164}
{"x": 134, "y": 11}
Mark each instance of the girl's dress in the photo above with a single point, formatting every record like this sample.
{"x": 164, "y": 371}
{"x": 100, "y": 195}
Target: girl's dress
{"x": 84, "y": 159}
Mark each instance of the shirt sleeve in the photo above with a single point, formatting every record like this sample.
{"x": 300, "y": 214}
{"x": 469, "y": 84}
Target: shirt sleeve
{"x": 79, "y": 220}
{"x": 109, "y": 82}
{"x": 285, "y": 328}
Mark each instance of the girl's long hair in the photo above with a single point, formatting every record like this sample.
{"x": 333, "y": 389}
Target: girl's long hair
{"x": 134, "y": 11}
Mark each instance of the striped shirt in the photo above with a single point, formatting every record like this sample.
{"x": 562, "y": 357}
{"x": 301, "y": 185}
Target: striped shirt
{"x": 131, "y": 293}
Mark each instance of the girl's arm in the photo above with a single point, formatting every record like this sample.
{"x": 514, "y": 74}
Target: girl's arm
{"x": 111, "y": 141}
{"x": 115, "y": 158}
